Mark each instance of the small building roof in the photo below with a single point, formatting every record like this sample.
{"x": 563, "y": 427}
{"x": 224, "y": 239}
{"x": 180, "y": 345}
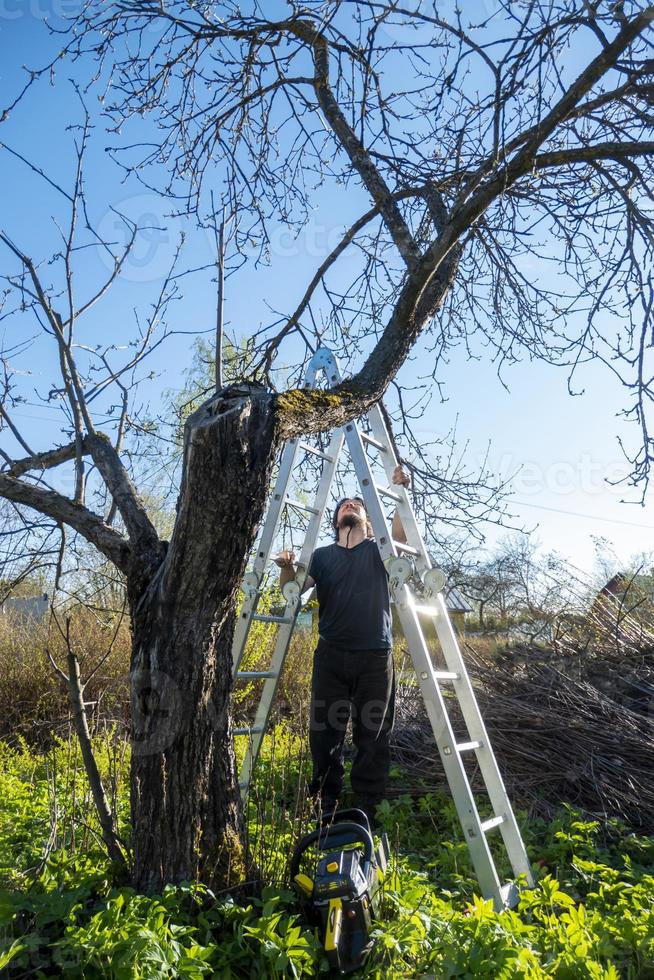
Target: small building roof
{"x": 455, "y": 601}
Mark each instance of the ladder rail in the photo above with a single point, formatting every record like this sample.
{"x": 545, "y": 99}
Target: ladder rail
{"x": 455, "y": 772}
{"x": 477, "y": 729}
{"x": 462, "y": 685}
{"x": 462, "y": 795}
{"x": 251, "y": 601}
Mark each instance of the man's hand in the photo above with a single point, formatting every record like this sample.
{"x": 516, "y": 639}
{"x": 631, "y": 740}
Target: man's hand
{"x": 401, "y": 478}
{"x": 285, "y": 559}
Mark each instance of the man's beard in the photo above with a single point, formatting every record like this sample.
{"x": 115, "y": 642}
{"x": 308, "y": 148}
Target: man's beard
{"x": 351, "y": 520}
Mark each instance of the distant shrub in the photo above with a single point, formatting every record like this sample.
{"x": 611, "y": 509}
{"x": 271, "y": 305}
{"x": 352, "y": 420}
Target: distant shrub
{"x": 33, "y": 701}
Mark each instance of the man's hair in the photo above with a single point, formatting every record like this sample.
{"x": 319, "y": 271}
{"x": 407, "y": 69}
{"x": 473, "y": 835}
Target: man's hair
{"x": 369, "y": 532}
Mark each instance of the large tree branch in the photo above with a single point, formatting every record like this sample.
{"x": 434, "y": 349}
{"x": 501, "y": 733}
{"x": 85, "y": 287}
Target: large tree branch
{"x": 141, "y": 531}
{"x": 347, "y": 239}
{"x": 312, "y": 410}
{"x": 612, "y": 150}
{"x": 479, "y": 194}
{"x": 112, "y": 544}
{"x": 361, "y": 160}
{"x": 46, "y": 460}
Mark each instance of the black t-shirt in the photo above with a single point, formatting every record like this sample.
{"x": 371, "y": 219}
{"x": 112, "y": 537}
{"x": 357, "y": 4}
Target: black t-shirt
{"x": 353, "y": 596}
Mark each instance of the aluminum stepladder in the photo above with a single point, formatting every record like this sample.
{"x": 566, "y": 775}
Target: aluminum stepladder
{"x": 416, "y": 588}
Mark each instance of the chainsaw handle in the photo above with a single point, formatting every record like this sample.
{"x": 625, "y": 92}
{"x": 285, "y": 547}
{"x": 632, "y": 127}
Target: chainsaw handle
{"x": 333, "y": 836}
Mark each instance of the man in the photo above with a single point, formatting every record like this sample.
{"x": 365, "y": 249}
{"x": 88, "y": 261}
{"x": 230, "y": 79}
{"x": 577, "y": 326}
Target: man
{"x": 353, "y": 663}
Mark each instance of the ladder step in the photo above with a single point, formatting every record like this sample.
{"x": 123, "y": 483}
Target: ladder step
{"x": 243, "y": 674}
{"x": 248, "y": 731}
{"x": 446, "y": 675}
{"x": 401, "y": 546}
{"x": 316, "y": 452}
{"x": 387, "y": 492}
{"x": 260, "y": 618}
{"x": 468, "y": 746}
{"x": 490, "y": 824}
{"x": 374, "y": 442}
{"x": 426, "y": 610}
{"x": 299, "y": 506}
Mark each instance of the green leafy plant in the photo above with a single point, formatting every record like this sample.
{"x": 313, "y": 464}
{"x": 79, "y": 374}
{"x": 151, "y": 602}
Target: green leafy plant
{"x": 63, "y": 912}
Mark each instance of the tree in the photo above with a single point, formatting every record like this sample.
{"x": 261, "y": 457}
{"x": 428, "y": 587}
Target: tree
{"x": 523, "y": 587}
{"x": 467, "y": 177}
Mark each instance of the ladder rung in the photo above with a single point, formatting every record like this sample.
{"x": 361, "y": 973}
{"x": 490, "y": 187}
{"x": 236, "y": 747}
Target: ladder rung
{"x": 468, "y": 746}
{"x": 446, "y": 675}
{"x": 299, "y": 506}
{"x": 243, "y": 674}
{"x": 401, "y": 546}
{"x": 387, "y": 492}
{"x": 316, "y": 452}
{"x": 260, "y": 618}
{"x": 426, "y": 610}
{"x": 248, "y": 731}
{"x": 490, "y": 824}
{"x": 374, "y": 442}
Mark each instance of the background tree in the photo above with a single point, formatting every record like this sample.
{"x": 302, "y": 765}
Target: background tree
{"x": 480, "y": 147}
{"x": 520, "y": 587}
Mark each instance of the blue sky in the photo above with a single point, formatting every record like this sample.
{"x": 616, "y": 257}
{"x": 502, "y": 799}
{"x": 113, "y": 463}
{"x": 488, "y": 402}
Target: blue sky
{"x": 560, "y": 449}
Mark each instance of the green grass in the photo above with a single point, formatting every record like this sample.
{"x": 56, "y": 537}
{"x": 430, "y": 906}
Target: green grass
{"x": 63, "y": 913}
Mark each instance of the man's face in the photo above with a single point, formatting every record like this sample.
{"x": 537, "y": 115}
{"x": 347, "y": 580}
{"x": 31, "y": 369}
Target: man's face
{"x": 351, "y": 513}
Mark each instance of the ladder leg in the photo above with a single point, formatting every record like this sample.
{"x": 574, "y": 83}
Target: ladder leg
{"x": 451, "y": 758}
{"x": 485, "y": 755}
{"x": 250, "y": 603}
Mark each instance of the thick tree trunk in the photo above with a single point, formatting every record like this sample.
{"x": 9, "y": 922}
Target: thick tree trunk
{"x": 186, "y": 815}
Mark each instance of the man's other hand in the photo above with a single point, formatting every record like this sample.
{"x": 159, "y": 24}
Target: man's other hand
{"x": 401, "y": 478}
{"x": 285, "y": 559}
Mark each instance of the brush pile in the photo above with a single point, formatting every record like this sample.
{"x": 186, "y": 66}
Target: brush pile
{"x": 571, "y": 724}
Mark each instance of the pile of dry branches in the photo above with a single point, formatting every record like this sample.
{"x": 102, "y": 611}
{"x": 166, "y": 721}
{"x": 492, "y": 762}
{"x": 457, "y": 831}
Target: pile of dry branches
{"x": 575, "y": 727}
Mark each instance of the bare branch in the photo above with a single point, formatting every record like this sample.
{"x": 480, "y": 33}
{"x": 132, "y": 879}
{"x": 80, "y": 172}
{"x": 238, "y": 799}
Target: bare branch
{"x": 113, "y": 545}
{"x": 46, "y": 460}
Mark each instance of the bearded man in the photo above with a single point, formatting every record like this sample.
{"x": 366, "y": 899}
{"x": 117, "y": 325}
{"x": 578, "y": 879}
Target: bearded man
{"x": 353, "y": 675}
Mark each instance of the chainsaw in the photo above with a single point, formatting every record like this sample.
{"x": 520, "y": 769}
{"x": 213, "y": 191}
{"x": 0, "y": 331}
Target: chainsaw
{"x": 342, "y": 897}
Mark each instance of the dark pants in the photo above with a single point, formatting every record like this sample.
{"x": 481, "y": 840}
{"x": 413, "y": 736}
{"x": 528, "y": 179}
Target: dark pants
{"x": 360, "y": 683}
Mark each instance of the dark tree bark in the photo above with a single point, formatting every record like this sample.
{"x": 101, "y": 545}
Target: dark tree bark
{"x": 185, "y": 805}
